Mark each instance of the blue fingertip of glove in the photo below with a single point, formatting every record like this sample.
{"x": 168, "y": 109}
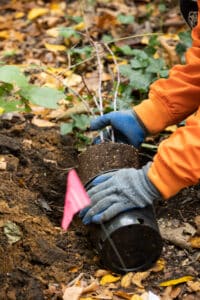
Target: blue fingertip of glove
{"x": 125, "y": 123}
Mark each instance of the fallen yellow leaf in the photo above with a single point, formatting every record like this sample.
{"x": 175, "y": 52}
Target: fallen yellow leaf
{"x": 79, "y": 26}
{"x": 19, "y": 15}
{"x": 1, "y": 110}
{"x": 55, "y": 48}
{"x": 109, "y": 279}
{"x": 195, "y": 242}
{"x": 138, "y": 277}
{"x": 4, "y": 34}
{"x": 126, "y": 280}
{"x": 54, "y": 32}
{"x": 159, "y": 265}
{"x": 176, "y": 281}
{"x": 37, "y": 12}
{"x": 136, "y": 297}
{"x": 145, "y": 40}
{"x": 170, "y": 36}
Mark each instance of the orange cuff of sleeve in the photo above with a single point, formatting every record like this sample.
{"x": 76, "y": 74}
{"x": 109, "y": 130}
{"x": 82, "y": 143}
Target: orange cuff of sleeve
{"x": 153, "y": 114}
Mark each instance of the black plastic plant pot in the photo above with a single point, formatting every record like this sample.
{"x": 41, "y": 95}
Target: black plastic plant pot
{"x": 129, "y": 242}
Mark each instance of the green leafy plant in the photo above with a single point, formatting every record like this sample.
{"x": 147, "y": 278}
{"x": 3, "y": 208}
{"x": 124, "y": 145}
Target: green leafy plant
{"x": 16, "y": 92}
{"x": 184, "y": 44}
{"x": 142, "y": 69}
{"x": 80, "y": 122}
{"x": 125, "y": 19}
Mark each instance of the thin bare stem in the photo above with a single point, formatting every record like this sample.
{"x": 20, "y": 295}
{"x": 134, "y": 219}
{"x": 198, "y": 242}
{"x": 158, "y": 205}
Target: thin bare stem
{"x": 118, "y": 77}
{"x": 100, "y": 71}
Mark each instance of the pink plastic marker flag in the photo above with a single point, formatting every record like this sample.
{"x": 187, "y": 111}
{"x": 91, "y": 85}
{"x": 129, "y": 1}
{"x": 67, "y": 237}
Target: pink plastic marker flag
{"x": 76, "y": 198}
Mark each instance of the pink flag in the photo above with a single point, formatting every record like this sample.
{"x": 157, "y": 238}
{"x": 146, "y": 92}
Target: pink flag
{"x": 76, "y": 198}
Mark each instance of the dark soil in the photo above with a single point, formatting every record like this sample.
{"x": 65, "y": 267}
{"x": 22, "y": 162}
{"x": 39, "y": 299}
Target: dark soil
{"x": 105, "y": 157}
{"x": 32, "y": 189}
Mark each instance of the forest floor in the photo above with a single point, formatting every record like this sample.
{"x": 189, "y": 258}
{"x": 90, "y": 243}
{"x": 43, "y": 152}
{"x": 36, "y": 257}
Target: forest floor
{"x": 44, "y": 259}
{"x": 38, "y": 260}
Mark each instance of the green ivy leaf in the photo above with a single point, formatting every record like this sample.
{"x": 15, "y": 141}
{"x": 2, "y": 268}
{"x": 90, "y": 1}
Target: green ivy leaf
{"x": 155, "y": 65}
{"x": 87, "y": 50}
{"x": 126, "y": 50}
{"x": 139, "y": 63}
{"x": 125, "y": 19}
{"x": 66, "y": 128}
{"x": 126, "y": 70}
{"x": 42, "y": 96}
{"x": 107, "y": 38}
{"x": 67, "y": 32}
{"x": 140, "y": 54}
{"x": 140, "y": 81}
{"x": 81, "y": 121}
{"x": 164, "y": 73}
{"x": 13, "y": 75}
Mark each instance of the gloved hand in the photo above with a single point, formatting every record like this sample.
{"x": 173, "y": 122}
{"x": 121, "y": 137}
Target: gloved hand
{"x": 126, "y": 189}
{"x": 126, "y": 125}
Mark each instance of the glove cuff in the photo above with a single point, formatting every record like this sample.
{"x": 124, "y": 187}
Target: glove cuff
{"x": 149, "y": 187}
{"x": 141, "y": 123}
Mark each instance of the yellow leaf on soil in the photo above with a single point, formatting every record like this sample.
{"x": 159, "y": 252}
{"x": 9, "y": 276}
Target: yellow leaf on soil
{"x": 79, "y": 26}
{"x": 4, "y": 34}
{"x": 1, "y": 110}
{"x": 54, "y": 32}
{"x": 195, "y": 242}
{"x": 176, "y": 281}
{"x": 138, "y": 277}
{"x": 136, "y": 297}
{"x": 159, "y": 265}
{"x": 58, "y": 7}
{"x": 126, "y": 280}
{"x": 19, "y": 15}
{"x": 109, "y": 279}
{"x": 145, "y": 40}
{"x": 37, "y": 12}
{"x": 55, "y": 48}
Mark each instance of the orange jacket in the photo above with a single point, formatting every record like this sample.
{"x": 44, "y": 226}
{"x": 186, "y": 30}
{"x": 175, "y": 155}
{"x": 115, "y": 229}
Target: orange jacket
{"x": 177, "y": 162}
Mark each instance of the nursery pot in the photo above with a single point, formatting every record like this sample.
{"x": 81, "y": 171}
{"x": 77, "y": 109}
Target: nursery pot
{"x": 131, "y": 240}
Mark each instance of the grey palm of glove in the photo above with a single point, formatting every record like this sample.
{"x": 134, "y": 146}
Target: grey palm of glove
{"x": 126, "y": 189}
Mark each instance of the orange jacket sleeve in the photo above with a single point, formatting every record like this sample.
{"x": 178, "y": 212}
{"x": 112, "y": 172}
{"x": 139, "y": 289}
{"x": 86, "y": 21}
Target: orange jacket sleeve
{"x": 177, "y": 162}
{"x": 172, "y": 100}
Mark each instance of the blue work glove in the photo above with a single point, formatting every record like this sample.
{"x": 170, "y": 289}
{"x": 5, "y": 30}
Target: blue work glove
{"x": 126, "y": 125}
{"x": 126, "y": 189}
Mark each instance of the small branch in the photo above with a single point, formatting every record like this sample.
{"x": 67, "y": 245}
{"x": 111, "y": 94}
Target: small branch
{"x": 100, "y": 71}
{"x": 118, "y": 77}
